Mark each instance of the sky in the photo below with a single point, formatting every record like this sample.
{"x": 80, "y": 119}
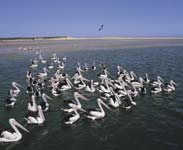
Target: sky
{"x": 83, "y": 18}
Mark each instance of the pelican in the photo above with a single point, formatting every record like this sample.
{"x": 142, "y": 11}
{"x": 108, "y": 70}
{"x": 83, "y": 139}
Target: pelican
{"x": 156, "y": 90}
{"x": 66, "y": 85}
{"x": 80, "y": 85}
{"x": 64, "y": 58}
{"x": 128, "y": 102}
{"x": 43, "y": 61}
{"x": 34, "y": 64}
{"x": 32, "y": 106}
{"x": 50, "y": 66}
{"x": 72, "y": 118}
{"x": 170, "y": 87}
{"x": 72, "y": 103}
{"x": 44, "y": 104}
{"x": 139, "y": 83}
{"x": 114, "y": 99}
{"x": 147, "y": 78}
{"x": 159, "y": 81}
{"x": 39, "y": 119}
{"x": 43, "y": 75}
{"x": 16, "y": 90}
{"x": 97, "y": 114}
{"x": 93, "y": 66}
{"x": 61, "y": 66}
{"x": 104, "y": 74}
{"x": 10, "y": 101}
{"x": 90, "y": 87}
{"x": 7, "y": 136}
{"x": 54, "y": 56}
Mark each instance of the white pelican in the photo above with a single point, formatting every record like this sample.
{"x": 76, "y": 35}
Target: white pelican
{"x": 71, "y": 103}
{"x": 44, "y": 104}
{"x": 170, "y": 87}
{"x": 6, "y": 136}
{"x": 146, "y": 80}
{"x": 90, "y": 87}
{"x": 93, "y": 66}
{"x": 114, "y": 99}
{"x": 50, "y": 66}
{"x": 44, "y": 74}
{"x": 139, "y": 83}
{"x": 34, "y": 64}
{"x": 97, "y": 114}
{"x": 80, "y": 85}
{"x": 104, "y": 74}
{"x": 10, "y": 101}
{"x": 64, "y": 58}
{"x": 61, "y": 66}
{"x": 54, "y": 56}
{"x": 38, "y": 119}
{"x": 32, "y": 105}
{"x": 66, "y": 85}
{"x": 16, "y": 90}
{"x": 72, "y": 118}
{"x": 156, "y": 90}
{"x": 159, "y": 81}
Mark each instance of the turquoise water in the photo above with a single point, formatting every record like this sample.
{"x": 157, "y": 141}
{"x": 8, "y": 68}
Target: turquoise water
{"x": 155, "y": 123}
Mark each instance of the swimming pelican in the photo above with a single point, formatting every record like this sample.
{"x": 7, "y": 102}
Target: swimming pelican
{"x": 34, "y": 64}
{"x": 38, "y": 119}
{"x": 7, "y": 136}
{"x": 90, "y": 87}
{"x": 146, "y": 80}
{"x": 16, "y": 90}
{"x": 50, "y": 66}
{"x": 170, "y": 87}
{"x": 104, "y": 74}
{"x": 77, "y": 103}
{"x": 97, "y": 114}
{"x": 44, "y": 104}
{"x": 114, "y": 99}
{"x": 44, "y": 74}
{"x": 156, "y": 90}
{"x": 10, "y": 100}
{"x": 72, "y": 118}
{"x": 66, "y": 85}
{"x": 32, "y": 105}
{"x": 61, "y": 66}
{"x": 94, "y": 66}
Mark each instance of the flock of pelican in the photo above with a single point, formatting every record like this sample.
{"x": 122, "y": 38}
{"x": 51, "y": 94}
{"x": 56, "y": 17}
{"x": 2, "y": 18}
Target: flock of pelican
{"x": 112, "y": 93}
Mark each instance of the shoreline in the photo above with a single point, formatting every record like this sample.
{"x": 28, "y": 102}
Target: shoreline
{"x": 87, "y": 38}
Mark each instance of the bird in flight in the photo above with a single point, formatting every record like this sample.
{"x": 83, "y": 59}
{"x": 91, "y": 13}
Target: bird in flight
{"x": 101, "y": 27}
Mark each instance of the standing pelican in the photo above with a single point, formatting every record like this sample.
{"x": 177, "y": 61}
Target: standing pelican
{"x": 39, "y": 119}
{"x": 97, "y": 114}
{"x": 7, "y": 136}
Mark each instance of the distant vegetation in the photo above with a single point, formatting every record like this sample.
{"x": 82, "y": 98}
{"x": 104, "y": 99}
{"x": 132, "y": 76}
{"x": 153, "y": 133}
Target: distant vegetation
{"x": 33, "y": 38}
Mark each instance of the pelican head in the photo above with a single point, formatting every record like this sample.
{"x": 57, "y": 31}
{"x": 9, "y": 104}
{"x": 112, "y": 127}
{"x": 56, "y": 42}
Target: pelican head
{"x": 77, "y": 95}
{"x": 104, "y": 104}
{"x": 46, "y": 96}
{"x": 16, "y": 84}
{"x": 14, "y": 122}
{"x": 172, "y": 82}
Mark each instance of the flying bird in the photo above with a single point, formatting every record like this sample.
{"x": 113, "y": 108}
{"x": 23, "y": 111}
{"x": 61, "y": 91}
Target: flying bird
{"x": 101, "y": 27}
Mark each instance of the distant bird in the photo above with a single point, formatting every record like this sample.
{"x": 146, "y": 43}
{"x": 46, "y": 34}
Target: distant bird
{"x": 101, "y": 27}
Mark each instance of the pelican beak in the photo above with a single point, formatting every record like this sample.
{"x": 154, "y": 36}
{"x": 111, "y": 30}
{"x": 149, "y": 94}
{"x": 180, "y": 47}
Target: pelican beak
{"x": 81, "y": 109}
{"x": 48, "y": 97}
{"x": 20, "y": 126}
{"x": 174, "y": 83}
{"x": 105, "y": 105}
{"x": 41, "y": 113}
{"x": 69, "y": 82}
{"x": 18, "y": 85}
{"x": 80, "y": 96}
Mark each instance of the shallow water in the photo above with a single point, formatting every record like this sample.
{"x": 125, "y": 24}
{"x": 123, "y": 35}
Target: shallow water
{"x": 155, "y": 123}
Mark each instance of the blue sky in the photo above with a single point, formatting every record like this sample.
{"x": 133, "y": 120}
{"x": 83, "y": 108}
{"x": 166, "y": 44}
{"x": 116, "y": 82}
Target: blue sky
{"x": 82, "y": 18}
